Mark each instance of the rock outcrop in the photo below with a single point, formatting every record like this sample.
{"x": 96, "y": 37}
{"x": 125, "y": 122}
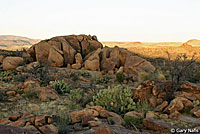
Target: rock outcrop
{"x": 86, "y": 53}
{"x": 59, "y": 51}
{"x": 11, "y": 63}
{"x": 136, "y": 64}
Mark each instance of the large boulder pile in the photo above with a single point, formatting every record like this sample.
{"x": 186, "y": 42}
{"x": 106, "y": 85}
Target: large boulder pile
{"x": 79, "y": 52}
{"x": 155, "y": 93}
{"x": 60, "y": 51}
{"x": 98, "y": 119}
{"x": 28, "y": 124}
{"x": 11, "y": 63}
{"x": 112, "y": 59}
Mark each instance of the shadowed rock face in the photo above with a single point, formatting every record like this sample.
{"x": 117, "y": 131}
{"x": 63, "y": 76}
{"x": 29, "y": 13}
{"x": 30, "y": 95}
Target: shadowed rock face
{"x": 65, "y": 48}
{"x": 8, "y": 129}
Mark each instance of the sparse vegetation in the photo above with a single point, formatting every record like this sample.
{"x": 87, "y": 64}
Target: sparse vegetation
{"x": 132, "y": 122}
{"x": 20, "y": 77}
{"x": 143, "y": 107}
{"x": 7, "y": 76}
{"x": 116, "y": 99}
{"x": 7, "y": 73}
{"x": 179, "y": 70}
{"x": 41, "y": 73}
{"x": 61, "y": 86}
{"x": 196, "y": 103}
{"x": 120, "y": 77}
{"x": 143, "y": 76}
{"x": 2, "y": 96}
{"x": 31, "y": 94}
{"x": 62, "y": 122}
{"x": 76, "y": 95}
{"x": 102, "y": 80}
{"x": 83, "y": 73}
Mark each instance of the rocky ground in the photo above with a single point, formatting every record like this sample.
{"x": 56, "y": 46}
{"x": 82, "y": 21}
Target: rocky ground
{"x": 71, "y": 84}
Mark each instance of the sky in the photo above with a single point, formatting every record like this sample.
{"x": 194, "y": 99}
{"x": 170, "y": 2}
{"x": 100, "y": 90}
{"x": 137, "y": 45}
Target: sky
{"x": 109, "y": 20}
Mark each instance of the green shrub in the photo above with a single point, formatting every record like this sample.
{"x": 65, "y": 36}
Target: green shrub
{"x": 41, "y": 73}
{"x": 5, "y": 79}
{"x": 61, "y": 86}
{"x": 76, "y": 95}
{"x": 143, "y": 107}
{"x": 132, "y": 122}
{"x": 102, "y": 80}
{"x": 31, "y": 94}
{"x": 120, "y": 77}
{"x": 83, "y": 73}
{"x": 7, "y": 73}
{"x": 143, "y": 76}
{"x": 20, "y": 77}
{"x": 62, "y": 124}
{"x": 186, "y": 110}
{"x": 2, "y": 96}
{"x": 196, "y": 103}
{"x": 159, "y": 75}
{"x": 73, "y": 76}
{"x": 180, "y": 70}
{"x": 116, "y": 99}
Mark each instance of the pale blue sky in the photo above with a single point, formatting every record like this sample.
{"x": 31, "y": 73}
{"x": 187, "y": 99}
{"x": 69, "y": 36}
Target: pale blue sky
{"x": 110, "y": 20}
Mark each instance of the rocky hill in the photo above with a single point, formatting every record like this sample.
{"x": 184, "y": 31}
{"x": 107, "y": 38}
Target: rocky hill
{"x": 74, "y": 85}
{"x": 10, "y": 42}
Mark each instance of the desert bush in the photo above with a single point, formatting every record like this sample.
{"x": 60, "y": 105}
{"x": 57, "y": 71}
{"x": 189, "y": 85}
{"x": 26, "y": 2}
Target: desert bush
{"x": 20, "y": 77}
{"x": 76, "y": 95}
{"x": 7, "y": 73}
{"x": 7, "y": 76}
{"x": 73, "y": 76}
{"x": 132, "y": 122}
{"x": 41, "y": 73}
{"x": 157, "y": 75}
{"x": 143, "y": 107}
{"x": 196, "y": 103}
{"x": 62, "y": 122}
{"x": 83, "y": 73}
{"x": 102, "y": 80}
{"x": 120, "y": 77}
{"x": 116, "y": 99}
{"x": 61, "y": 86}
{"x": 31, "y": 94}
{"x": 5, "y": 79}
{"x": 186, "y": 110}
{"x": 179, "y": 71}
{"x": 143, "y": 76}
{"x": 2, "y": 96}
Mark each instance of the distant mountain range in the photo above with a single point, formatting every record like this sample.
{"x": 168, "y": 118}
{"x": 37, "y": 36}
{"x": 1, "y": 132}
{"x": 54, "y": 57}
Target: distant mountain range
{"x": 11, "y": 42}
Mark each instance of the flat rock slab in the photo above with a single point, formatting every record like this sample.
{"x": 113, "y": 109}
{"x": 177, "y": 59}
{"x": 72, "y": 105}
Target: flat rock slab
{"x": 112, "y": 130}
{"x": 188, "y": 119}
{"x": 157, "y": 125}
{"x": 8, "y": 129}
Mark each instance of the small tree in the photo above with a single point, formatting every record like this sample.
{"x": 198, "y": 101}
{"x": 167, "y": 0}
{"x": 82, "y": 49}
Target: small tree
{"x": 179, "y": 71}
